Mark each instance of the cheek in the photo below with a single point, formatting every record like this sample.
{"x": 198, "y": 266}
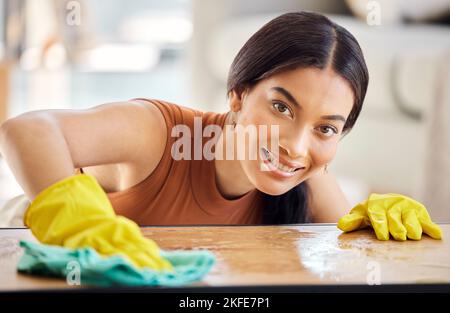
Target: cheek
{"x": 257, "y": 116}
{"x": 323, "y": 152}
{"x": 260, "y": 121}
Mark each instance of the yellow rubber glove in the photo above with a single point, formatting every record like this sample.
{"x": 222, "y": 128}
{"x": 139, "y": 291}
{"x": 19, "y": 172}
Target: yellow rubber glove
{"x": 75, "y": 212}
{"x": 391, "y": 213}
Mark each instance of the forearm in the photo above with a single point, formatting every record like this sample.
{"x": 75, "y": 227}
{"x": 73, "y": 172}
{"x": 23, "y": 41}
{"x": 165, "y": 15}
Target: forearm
{"x": 327, "y": 201}
{"x": 36, "y": 152}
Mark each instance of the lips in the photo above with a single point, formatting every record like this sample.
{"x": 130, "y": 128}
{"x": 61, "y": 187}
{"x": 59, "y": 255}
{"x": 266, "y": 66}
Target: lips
{"x": 281, "y": 163}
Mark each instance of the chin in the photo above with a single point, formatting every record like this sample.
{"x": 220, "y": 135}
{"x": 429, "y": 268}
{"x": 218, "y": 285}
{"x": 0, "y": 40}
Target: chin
{"x": 270, "y": 184}
{"x": 272, "y": 188}
{"x": 272, "y": 192}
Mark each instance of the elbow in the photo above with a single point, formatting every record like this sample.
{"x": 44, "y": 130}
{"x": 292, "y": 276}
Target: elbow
{"x": 22, "y": 127}
{"x": 5, "y": 129}
{"x": 8, "y": 129}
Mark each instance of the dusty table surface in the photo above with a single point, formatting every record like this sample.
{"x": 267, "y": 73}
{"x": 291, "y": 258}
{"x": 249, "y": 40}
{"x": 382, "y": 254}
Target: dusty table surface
{"x": 312, "y": 254}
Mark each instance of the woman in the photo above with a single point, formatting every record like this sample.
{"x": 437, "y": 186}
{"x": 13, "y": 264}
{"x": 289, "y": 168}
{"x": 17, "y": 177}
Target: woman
{"x": 300, "y": 77}
{"x": 300, "y": 72}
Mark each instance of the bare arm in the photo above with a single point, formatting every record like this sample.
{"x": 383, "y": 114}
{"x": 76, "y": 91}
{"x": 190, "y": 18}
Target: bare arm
{"x": 42, "y": 147}
{"x": 327, "y": 201}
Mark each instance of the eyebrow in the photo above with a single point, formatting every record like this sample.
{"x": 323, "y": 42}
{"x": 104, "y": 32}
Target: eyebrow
{"x": 291, "y": 99}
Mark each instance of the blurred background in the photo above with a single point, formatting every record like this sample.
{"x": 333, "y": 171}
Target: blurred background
{"x": 78, "y": 54}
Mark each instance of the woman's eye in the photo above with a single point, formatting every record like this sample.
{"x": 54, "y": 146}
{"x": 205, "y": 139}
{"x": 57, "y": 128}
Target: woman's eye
{"x": 328, "y": 130}
{"x": 282, "y": 108}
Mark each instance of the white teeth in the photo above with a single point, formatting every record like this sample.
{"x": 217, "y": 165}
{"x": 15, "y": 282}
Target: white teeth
{"x": 276, "y": 164}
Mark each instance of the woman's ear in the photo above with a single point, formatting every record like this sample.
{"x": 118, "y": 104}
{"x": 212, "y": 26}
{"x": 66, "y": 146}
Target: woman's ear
{"x": 236, "y": 99}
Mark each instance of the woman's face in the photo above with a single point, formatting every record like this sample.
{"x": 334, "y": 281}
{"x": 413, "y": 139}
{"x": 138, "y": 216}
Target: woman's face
{"x": 310, "y": 107}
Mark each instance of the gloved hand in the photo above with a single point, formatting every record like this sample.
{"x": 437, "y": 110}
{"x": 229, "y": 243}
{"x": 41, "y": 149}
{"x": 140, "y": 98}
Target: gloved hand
{"x": 75, "y": 212}
{"x": 391, "y": 213}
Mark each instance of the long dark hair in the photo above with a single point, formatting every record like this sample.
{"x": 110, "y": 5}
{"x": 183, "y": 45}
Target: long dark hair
{"x": 292, "y": 40}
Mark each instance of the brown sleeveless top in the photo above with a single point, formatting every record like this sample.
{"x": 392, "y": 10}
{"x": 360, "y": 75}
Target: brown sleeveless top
{"x": 181, "y": 192}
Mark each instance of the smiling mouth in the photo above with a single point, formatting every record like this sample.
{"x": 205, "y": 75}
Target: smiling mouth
{"x": 277, "y": 164}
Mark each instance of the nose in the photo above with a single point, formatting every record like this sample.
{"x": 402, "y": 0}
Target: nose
{"x": 296, "y": 144}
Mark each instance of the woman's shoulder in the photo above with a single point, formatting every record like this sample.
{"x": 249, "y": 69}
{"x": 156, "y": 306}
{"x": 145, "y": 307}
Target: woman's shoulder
{"x": 176, "y": 114}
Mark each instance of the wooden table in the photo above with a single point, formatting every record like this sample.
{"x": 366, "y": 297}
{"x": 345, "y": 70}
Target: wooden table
{"x": 276, "y": 256}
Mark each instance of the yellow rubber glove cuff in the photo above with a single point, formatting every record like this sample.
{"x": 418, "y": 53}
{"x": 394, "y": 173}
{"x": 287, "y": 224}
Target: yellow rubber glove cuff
{"x": 391, "y": 213}
{"x": 75, "y": 212}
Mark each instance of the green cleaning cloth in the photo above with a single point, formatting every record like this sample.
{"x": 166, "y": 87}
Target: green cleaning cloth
{"x": 96, "y": 270}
